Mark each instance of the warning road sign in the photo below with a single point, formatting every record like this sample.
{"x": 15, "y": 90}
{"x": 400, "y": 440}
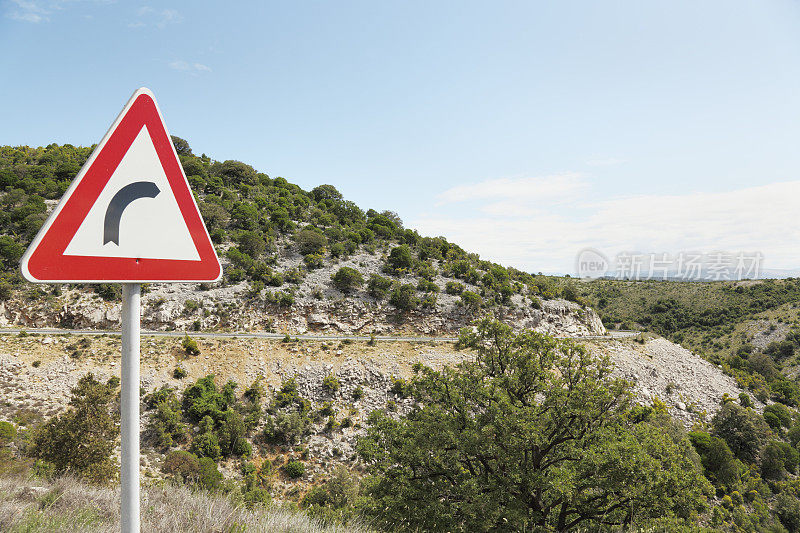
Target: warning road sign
{"x": 129, "y": 215}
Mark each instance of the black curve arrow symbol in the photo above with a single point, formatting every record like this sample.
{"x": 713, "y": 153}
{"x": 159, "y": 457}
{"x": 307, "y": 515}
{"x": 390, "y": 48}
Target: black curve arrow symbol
{"x": 121, "y": 200}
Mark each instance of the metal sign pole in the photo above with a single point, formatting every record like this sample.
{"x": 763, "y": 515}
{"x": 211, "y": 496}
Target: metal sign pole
{"x": 129, "y": 407}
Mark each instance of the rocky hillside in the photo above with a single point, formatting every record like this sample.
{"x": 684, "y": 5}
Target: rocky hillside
{"x": 38, "y": 372}
{"x": 293, "y": 261}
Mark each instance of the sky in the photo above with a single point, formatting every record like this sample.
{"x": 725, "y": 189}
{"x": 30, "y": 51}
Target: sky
{"x": 523, "y": 131}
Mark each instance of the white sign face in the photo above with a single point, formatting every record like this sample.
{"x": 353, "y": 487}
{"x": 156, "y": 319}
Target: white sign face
{"x": 140, "y": 219}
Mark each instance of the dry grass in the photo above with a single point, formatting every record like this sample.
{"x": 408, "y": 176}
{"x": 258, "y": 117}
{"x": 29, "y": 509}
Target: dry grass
{"x": 67, "y": 505}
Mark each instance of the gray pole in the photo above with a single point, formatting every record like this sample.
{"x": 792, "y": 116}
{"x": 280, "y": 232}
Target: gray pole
{"x": 129, "y": 408}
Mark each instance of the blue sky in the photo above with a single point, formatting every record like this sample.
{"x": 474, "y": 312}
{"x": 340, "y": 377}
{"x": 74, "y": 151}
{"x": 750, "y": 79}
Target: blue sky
{"x": 524, "y": 131}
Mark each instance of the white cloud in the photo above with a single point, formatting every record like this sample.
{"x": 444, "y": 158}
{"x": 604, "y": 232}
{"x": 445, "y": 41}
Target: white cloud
{"x": 191, "y": 68}
{"x": 148, "y": 16}
{"x": 36, "y": 11}
{"x": 558, "y": 186}
{"x": 762, "y": 218}
{"x": 28, "y": 11}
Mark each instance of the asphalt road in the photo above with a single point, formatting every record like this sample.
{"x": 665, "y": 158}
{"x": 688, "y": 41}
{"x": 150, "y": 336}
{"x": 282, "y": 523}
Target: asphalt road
{"x": 264, "y": 335}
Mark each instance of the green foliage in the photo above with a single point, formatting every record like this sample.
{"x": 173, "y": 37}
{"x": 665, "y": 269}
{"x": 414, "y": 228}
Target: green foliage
{"x": 190, "y": 346}
{"x": 82, "y": 439}
{"x": 203, "y": 399}
{"x": 182, "y": 464}
{"x": 231, "y": 433}
{"x": 295, "y": 469}
{"x": 453, "y": 287}
{"x": 310, "y": 241}
{"x": 358, "y": 393}
{"x": 471, "y": 301}
{"x": 743, "y": 430}
{"x": 334, "y": 500}
{"x": 206, "y": 444}
{"x": 745, "y": 400}
{"x": 286, "y": 428}
{"x": 179, "y": 373}
{"x": 400, "y": 259}
{"x": 378, "y": 287}
{"x": 331, "y": 384}
{"x": 210, "y": 477}
{"x": 718, "y": 460}
{"x": 7, "y": 432}
{"x": 347, "y": 279}
{"x": 165, "y": 426}
{"x": 404, "y": 297}
{"x": 533, "y": 434}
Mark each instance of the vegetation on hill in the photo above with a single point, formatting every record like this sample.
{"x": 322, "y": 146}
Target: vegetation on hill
{"x": 722, "y": 321}
{"x": 530, "y": 433}
{"x": 252, "y": 216}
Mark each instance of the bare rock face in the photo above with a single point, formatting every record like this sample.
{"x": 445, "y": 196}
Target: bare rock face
{"x": 184, "y": 307}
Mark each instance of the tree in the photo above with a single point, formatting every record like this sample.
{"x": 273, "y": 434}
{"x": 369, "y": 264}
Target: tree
{"x": 400, "y": 258}
{"x": 533, "y": 434}
{"x": 743, "y": 430}
{"x": 404, "y": 297}
{"x": 82, "y": 439}
{"x": 310, "y": 241}
{"x": 181, "y": 145}
{"x": 347, "y": 279}
{"x": 325, "y": 192}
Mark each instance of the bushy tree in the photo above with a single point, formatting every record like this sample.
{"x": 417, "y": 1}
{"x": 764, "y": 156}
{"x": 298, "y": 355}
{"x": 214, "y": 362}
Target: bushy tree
{"x": 743, "y": 430}
{"x": 347, "y": 279}
{"x": 400, "y": 258}
{"x": 404, "y": 297}
{"x": 82, "y": 439}
{"x": 378, "y": 286}
{"x": 310, "y": 241}
{"x": 203, "y": 399}
{"x": 533, "y": 434}
{"x": 182, "y": 464}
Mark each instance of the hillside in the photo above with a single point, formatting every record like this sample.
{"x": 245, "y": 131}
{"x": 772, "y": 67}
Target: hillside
{"x": 301, "y": 421}
{"x": 293, "y": 261}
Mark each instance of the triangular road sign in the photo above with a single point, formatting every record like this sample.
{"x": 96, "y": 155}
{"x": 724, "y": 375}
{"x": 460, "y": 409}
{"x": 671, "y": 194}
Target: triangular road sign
{"x": 129, "y": 215}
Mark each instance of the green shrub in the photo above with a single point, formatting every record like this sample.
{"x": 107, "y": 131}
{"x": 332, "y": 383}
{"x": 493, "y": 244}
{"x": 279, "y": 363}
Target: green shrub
{"x": 404, "y": 297}
{"x": 203, "y": 399}
{"x": 310, "y": 241}
{"x": 286, "y": 428}
{"x": 743, "y": 430}
{"x": 400, "y": 259}
{"x": 331, "y": 384}
{"x": 378, "y": 287}
{"x": 82, "y": 439}
{"x": 210, "y": 477}
{"x": 7, "y": 432}
{"x": 295, "y": 469}
{"x": 745, "y": 400}
{"x": 358, "y": 393}
{"x": 231, "y": 434}
{"x": 165, "y": 426}
{"x": 190, "y": 346}
{"x": 182, "y": 464}
{"x": 179, "y": 373}
{"x": 782, "y": 413}
{"x": 454, "y": 288}
{"x": 347, "y": 279}
{"x": 471, "y": 301}
{"x": 206, "y": 444}
{"x": 787, "y": 507}
{"x": 401, "y": 387}
{"x": 335, "y": 499}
